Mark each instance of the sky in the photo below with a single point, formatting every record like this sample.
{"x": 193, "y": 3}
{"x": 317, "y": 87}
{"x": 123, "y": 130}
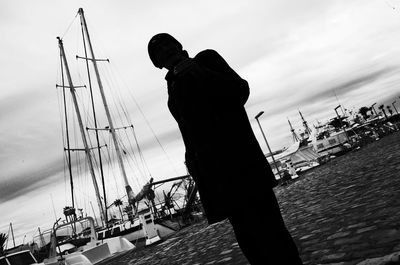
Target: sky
{"x": 305, "y": 55}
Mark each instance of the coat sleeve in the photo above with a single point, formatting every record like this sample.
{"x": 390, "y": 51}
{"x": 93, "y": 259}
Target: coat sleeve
{"x": 230, "y": 87}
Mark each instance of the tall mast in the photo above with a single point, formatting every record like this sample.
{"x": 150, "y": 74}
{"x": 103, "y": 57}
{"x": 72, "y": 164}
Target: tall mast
{"x": 67, "y": 134}
{"x": 12, "y": 233}
{"x": 95, "y": 125}
{"x": 82, "y": 130}
{"x": 294, "y": 134}
{"x": 41, "y": 238}
{"x": 305, "y": 124}
{"x": 131, "y": 197}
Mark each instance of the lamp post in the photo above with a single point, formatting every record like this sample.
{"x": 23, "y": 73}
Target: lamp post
{"x": 337, "y": 114}
{"x": 265, "y": 139}
{"x": 341, "y": 124}
{"x": 372, "y": 106}
{"x": 395, "y": 106}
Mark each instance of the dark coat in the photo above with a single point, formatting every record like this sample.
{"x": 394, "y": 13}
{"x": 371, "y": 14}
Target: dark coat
{"x": 206, "y": 98}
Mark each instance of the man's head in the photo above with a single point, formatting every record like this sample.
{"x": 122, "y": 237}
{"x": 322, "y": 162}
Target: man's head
{"x": 164, "y": 50}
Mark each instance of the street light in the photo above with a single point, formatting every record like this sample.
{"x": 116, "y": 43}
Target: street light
{"x": 395, "y": 106}
{"x": 265, "y": 139}
{"x": 341, "y": 123}
{"x": 337, "y": 114}
{"x": 374, "y": 108}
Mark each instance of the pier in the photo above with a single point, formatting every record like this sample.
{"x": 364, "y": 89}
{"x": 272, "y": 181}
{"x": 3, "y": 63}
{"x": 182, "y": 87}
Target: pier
{"x": 345, "y": 212}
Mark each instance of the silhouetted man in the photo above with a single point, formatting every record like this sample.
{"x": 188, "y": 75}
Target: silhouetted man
{"x": 234, "y": 179}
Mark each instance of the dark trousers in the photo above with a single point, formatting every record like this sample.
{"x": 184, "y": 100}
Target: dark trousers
{"x": 262, "y": 235}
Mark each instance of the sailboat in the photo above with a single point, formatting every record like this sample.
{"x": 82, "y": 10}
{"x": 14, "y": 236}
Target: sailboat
{"x": 81, "y": 246}
{"x": 149, "y": 223}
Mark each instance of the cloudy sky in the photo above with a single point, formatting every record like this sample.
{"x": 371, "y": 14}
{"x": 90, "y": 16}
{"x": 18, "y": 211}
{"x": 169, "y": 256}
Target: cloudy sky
{"x": 296, "y": 55}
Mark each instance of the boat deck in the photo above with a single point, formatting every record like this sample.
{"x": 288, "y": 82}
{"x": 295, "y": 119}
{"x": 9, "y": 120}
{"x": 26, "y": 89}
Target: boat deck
{"x": 343, "y": 212}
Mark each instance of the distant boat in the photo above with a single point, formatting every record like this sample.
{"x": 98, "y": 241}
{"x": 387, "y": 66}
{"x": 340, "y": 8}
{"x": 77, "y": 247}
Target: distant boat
{"x": 81, "y": 246}
{"x": 298, "y": 157}
{"x": 328, "y": 140}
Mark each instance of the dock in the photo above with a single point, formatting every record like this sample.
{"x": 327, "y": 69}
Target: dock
{"x": 344, "y": 212}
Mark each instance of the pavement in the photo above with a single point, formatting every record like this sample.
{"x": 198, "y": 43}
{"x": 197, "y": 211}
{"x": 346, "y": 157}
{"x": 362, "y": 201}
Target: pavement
{"x": 345, "y": 212}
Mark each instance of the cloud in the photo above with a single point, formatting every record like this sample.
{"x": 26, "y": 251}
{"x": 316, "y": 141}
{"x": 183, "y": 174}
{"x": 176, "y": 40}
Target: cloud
{"x": 19, "y": 102}
{"x": 345, "y": 87}
{"x": 297, "y": 99}
{"x": 37, "y": 175}
{"x": 166, "y": 136}
{"x": 294, "y": 54}
{"x": 29, "y": 181}
{"x": 29, "y": 138}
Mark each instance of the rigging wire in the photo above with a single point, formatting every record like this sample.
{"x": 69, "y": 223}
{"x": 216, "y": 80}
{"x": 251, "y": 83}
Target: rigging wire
{"x": 143, "y": 165}
{"x": 76, "y": 153}
{"x": 95, "y": 122}
{"x": 136, "y": 179}
{"x": 115, "y": 72}
{"x": 121, "y": 102}
{"x": 121, "y": 111}
{"x": 117, "y": 112}
{"x": 140, "y": 151}
{"x": 67, "y": 144}
{"x": 69, "y": 26}
{"x": 124, "y": 108}
{"x": 77, "y": 157}
{"x": 106, "y": 154}
{"x": 84, "y": 101}
{"x": 61, "y": 114}
{"x": 138, "y": 167}
{"x": 147, "y": 122}
{"x": 62, "y": 117}
{"x": 60, "y": 105}
{"x": 141, "y": 157}
{"x": 390, "y": 5}
{"x": 111, "y": 165}
{"x": 87, "y": 195}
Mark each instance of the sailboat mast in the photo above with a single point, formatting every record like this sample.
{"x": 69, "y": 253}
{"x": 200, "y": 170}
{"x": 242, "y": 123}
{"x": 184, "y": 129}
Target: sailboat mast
{"x": 131, "y": 197}
{"x": 95, "y": 125}
{"x": 12, "y": 233}
{"x": 82, "y": 130}
{"x": 67, "y": 134}
{"x": 41, "y": 238}
{"x": 294, "y": 134}
{"x": 305, "y": 124}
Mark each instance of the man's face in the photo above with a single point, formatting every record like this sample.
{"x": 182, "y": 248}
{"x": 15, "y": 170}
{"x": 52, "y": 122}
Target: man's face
{"x": 167, "y": 53}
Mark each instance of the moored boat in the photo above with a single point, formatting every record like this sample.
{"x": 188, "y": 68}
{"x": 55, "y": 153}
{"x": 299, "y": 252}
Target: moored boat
{"x": 81, "y": 246}
{"x": 142, "y": 222}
